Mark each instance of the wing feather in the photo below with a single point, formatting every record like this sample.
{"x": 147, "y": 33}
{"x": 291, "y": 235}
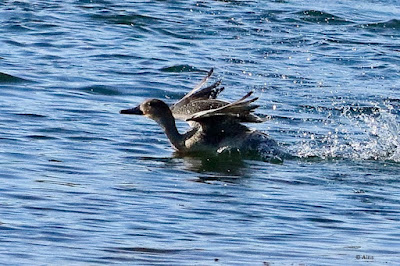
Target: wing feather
{"x": 241, "y": 110}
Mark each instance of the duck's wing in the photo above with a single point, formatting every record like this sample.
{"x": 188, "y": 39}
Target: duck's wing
{"x": 186, "y": 111}
{"x": 239, "y": 111}
{"x": 196, "y": 94}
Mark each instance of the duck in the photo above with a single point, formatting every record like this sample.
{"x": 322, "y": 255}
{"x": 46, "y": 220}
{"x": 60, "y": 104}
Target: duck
{"x": 215, "y": 125}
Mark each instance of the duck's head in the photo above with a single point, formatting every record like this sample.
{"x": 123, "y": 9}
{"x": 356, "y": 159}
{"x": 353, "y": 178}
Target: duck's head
{"x": 152, "y": 108}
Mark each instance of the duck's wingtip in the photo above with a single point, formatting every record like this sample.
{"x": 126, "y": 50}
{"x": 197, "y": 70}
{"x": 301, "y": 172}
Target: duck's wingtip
{"x": 210, "y": 72}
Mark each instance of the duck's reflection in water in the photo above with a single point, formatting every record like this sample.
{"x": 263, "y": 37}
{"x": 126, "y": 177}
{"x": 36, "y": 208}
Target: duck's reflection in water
{"x": 212, "y": 167}
{"x": 228, "y": 166}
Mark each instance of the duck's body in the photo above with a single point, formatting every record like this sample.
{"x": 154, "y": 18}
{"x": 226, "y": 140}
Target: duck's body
{"x": 215, "y": 125}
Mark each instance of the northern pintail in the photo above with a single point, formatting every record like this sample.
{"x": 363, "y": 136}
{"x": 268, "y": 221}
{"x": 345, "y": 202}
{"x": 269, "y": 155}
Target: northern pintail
{"x": 215, "y": 124}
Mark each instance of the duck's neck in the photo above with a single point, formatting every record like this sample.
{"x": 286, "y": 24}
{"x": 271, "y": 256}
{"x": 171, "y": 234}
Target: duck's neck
{"x": 169, "y": 127}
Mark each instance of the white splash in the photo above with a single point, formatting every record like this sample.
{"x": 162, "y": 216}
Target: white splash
{"x": 364, "y": 136}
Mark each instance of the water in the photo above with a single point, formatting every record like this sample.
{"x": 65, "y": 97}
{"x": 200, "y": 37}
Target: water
{"x": 82, "y": 184}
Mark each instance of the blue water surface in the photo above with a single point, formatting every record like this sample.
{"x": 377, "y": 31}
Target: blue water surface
{"x": 82, "y": 184}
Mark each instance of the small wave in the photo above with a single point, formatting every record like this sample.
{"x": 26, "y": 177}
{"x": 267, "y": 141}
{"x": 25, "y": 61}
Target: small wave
{"x": 393, "y": 24}
{"x": 180, "y": 68}
{"x": 100, "y": 89}
{"x": 32, "y": 115}
{"x": 6, "y": 78}
{"x": 320, "y": 17}
{"x": 126, "y": 19}
{"x": 376, "y": 137}
{"x": 144, "y": 250}
{"x": 40, "y": 137}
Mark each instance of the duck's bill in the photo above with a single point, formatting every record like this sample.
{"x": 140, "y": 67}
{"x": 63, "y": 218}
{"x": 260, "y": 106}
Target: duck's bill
{"x": 132, "y": 111}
